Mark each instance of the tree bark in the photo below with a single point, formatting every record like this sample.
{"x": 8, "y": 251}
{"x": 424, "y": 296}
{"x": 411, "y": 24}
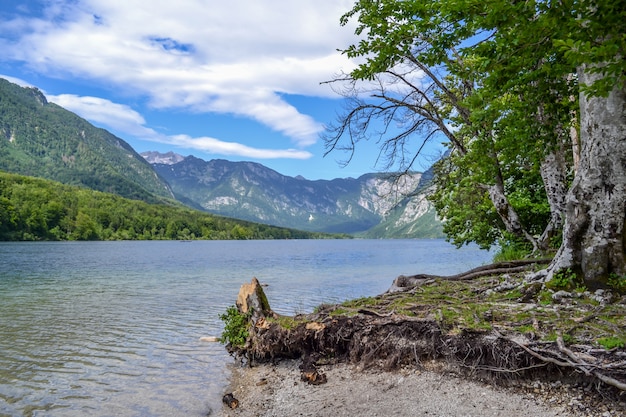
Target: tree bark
{"x": 594, "y": 237}
{"x": 507, "y": 212}
{"x": 553, "y": 173}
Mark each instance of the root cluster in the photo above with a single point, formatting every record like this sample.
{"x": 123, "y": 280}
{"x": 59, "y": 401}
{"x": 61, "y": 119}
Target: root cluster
{"x": 408, "y": 327}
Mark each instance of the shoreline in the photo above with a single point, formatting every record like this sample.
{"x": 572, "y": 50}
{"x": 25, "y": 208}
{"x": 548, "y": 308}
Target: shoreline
{"x": 449, "y": 346}
{"x": 277, "y": 390}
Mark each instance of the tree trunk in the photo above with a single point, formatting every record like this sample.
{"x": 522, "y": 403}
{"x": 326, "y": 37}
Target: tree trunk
{"x": 507, "y": 212}
{"x": 553, "y": 168}
{"x": 594, "y": 237}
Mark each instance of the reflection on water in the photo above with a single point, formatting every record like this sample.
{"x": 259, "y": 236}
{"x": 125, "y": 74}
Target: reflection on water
{"x": 113, "y": 328}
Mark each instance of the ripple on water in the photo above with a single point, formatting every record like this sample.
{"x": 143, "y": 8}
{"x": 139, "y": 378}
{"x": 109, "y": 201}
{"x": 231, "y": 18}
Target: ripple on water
{"x": 112, "y": 328}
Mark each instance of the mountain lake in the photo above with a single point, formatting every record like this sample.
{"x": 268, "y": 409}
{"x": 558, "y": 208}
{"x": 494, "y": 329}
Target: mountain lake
{"x": 114, "y": 328}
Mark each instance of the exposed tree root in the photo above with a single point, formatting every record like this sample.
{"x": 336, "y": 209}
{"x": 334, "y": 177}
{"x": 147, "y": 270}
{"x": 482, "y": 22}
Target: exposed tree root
{"x": 395, "y": 341}
{"x": 469, "y": 325}
{"x": 404, "y": 282}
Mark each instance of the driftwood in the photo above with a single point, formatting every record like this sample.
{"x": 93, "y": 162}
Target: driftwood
{"x": 309, "y": 372}
{"x": 230, "y": 401}
{"x": 404, "y": 282}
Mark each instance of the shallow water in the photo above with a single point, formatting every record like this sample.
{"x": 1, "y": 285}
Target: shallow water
{"x": 113, "y": 328}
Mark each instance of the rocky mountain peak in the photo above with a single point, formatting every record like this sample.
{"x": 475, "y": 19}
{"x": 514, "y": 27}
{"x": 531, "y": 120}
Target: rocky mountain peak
{"x": 168, "y": 158}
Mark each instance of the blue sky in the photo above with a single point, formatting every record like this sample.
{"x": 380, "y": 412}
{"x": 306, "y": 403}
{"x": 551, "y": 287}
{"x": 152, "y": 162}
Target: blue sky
{"x": 238, "y": 80}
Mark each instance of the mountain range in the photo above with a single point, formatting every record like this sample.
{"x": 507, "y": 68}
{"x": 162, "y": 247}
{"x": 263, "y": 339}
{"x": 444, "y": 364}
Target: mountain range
{"x": 42, "y": 139}
{"x": 373, "y": 205}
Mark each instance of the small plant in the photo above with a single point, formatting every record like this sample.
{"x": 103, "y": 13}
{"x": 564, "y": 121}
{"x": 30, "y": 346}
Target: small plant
{"x": 235, "y": 327}
{"x": 545, "y": 297}
{"x": 511, "y": 250}
{"x": 611, "y": 342}
{"x": 564, "y": 279}
{"x": 617, "y": 282}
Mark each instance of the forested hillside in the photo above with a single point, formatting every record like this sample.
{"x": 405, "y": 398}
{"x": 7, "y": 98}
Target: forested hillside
{"x": 44, "y": 140}
{"x": 38, "y": 209}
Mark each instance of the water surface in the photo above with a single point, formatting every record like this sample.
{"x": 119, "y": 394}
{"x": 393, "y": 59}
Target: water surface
{"x": 113, "y": 328}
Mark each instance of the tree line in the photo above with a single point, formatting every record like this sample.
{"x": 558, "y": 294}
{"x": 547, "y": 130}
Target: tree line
{"x": 38, "y": 209}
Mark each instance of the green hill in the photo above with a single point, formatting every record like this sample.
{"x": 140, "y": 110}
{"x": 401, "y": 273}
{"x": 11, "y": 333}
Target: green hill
{"x": 44, "y": 140}
{"x": 37, "y": 209}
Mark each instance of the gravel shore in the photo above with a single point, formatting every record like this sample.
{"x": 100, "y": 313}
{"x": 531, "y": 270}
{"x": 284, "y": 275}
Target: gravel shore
{"x": 278, "y": 391}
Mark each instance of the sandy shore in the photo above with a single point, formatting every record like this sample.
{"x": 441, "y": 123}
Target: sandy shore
{"x": 278, "y": 391}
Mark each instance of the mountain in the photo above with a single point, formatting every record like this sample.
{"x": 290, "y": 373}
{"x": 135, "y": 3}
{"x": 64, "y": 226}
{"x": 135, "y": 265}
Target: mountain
{"x": 373, "y": 205}
{"x": 41, "y": 139}
{"x": 414, "y": 216}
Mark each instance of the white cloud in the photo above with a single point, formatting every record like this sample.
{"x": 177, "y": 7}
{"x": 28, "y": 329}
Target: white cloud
{"x": 119, "y": 117}
{"x": 124, "y": 119}
{"x": 17, "y": 81}
{"x": 232, "y": 148}
{"x": 235, "y": 57}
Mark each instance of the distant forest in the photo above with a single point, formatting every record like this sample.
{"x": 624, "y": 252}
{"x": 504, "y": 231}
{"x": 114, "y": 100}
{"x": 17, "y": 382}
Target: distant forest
{"x": 37, "y": 209}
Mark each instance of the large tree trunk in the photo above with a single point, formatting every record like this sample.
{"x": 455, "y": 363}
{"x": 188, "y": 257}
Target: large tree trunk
{"x": 594, "y": 237}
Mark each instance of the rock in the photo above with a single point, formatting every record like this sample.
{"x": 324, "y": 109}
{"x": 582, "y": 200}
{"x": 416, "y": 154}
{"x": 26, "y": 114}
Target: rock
{"x": 209, "y": 339}
{"x": 560, "y": 295}
{"x": 314, "y": 377}
{"x": 309, "y": 372}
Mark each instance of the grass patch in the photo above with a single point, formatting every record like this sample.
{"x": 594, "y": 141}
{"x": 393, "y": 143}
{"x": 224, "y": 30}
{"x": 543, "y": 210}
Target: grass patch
{"x": 611, "y": 342}
{"x": 287, "y": 322}
{"x": 458, "y": 306}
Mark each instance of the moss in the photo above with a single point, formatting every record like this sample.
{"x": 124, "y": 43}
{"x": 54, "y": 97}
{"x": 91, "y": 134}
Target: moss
{"x": 360, "y": 302}
{"x": 526, "y": 328}
{"x": 341, "y": 312}
{"x": 612, "y": 342}
{"x": 287, "y": 322}
{"x": 458, "y": 306}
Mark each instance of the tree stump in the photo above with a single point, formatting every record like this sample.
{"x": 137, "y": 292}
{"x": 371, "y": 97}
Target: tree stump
{"x": 252, "y": 300}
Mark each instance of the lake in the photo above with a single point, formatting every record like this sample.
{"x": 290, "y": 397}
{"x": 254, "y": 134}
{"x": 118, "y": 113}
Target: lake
{"x": 113, "y": 328}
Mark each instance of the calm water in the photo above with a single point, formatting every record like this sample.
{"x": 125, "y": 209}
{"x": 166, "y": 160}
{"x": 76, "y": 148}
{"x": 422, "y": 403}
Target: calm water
{"x": 112, "y": 328}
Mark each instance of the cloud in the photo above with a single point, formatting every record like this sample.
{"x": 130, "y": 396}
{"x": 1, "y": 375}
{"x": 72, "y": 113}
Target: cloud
{"x": 124, "y": 119}
{"x": 232, "y": 148}
{"x": 17, "y": 81}
{"x": 237, "y": 57}
{"x": 119, "y": 117}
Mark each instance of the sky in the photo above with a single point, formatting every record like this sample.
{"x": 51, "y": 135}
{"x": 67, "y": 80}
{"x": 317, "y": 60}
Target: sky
{"x": 241, "y": 80}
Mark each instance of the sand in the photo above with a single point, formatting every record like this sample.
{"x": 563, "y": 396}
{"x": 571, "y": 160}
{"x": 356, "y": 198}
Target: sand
{"x": 278, "y": 391}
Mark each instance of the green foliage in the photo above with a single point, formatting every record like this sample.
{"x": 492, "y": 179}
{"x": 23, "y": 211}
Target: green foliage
{"x": 235, "y": 327}
{"x": 37, "y": 209}
{"x": 611, "y": 342}
{"x": 512, "y": 249}
{"x": 510, "y": 91}
{"x": 44, "y": 140}
{"x": 597, "y": 36}
{"x": 564, "y": 279}
{"x": 617, "y": 282}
